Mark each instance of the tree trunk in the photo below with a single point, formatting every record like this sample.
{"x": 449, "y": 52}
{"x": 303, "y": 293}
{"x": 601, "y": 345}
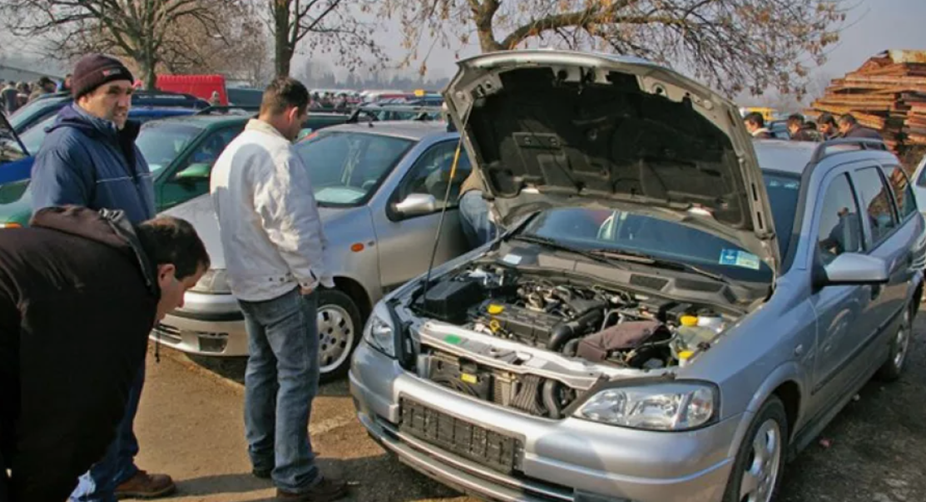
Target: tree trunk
{"x": 483, "y": 18}
{"x": 283, "y": 49}
{"x": 148, "y": 65}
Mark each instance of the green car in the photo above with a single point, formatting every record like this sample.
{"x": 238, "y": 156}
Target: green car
{"x": 180, "y": 152}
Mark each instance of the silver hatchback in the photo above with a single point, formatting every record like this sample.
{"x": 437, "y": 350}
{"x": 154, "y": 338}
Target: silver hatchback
{"x": 380, "y": 188}
{"x": 673, "y": 310}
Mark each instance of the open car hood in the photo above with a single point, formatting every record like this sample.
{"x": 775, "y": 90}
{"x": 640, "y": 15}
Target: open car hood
{"x": 554, "y": 128}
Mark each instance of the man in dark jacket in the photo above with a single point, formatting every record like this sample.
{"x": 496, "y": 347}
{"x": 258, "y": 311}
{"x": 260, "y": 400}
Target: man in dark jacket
{"x": 79, "y": 292}
{"x": 89, "y": 158}
{"x": 850, "y": 128}
{"x": 798, "y": 130}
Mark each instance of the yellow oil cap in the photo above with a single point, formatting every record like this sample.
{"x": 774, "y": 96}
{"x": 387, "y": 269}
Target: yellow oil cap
{"x": 685, "y": 354}
{"x": 498, "y": 309}
{"x": 689, "y": 320}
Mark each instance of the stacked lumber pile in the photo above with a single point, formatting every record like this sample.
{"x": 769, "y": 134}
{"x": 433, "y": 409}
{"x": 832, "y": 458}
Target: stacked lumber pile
{"x": 888, "y": 93}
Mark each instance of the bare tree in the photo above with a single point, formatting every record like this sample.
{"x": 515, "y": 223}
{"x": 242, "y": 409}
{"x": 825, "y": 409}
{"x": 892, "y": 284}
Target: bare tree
{"x": 141, "y": 30}
{"x": 734, "y": 45}
{"x": 328, "y": 26}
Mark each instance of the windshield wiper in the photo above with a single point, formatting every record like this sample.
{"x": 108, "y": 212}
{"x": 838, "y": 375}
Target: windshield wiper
{"x": 554, "y": 244}
{"x": 646, "y": 259}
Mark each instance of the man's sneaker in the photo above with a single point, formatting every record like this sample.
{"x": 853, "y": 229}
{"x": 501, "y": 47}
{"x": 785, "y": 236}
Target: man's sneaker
{"x": 261, "y": 473}
{"x": 325, "y": 490}
{"x": 146, "y": 486}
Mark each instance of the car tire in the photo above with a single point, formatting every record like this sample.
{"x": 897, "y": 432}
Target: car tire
{"x": 339, "y": 331}
{"x": 759, "y": 466}
{"x": 900, "y": 349}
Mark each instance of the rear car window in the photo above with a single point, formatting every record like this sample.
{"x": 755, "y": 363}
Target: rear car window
{"x": 876, "y": 203}
{"x": 903, "y": 193}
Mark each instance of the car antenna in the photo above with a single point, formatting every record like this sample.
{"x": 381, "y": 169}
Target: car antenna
{"x": 443, "y": 212}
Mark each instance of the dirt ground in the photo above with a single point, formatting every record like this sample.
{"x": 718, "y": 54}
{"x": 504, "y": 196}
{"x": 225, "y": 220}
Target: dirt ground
{"x": 190, "y": 425}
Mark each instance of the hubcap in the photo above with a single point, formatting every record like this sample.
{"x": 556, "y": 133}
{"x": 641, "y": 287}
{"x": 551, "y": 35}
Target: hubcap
{"x": 762, "y": 470}
{"x": 903, "y": 343}
{"x": 336, "y": 337}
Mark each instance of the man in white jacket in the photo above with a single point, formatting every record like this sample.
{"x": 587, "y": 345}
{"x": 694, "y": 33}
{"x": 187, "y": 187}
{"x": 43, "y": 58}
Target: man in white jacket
{"x": 274, "y": 245}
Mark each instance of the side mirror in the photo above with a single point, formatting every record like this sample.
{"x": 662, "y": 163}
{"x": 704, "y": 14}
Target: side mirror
{"x": 416, "y": 204}
{"x": 856, "y": 269}
{"x": 195, "y": 172}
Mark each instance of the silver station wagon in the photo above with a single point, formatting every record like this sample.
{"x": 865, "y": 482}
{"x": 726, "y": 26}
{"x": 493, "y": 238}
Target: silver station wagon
{"x": 380, "y": 188}
{"x": 673, "y": 310}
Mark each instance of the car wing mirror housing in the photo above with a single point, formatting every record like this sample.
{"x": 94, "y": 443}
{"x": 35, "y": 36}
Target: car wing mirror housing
{"x": 855, "y": 269}
{"x": 416, "y": 204}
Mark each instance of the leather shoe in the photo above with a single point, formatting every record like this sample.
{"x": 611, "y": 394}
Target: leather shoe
{"x": 325, "y": 490}
{"x": 146, "y": 486}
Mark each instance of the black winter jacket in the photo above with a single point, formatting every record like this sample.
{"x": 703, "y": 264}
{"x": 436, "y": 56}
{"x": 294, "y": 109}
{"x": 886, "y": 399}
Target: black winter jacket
{"x": 78, "y": 297}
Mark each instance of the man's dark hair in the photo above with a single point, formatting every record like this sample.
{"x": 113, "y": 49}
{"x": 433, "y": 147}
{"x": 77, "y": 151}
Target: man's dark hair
{"x": 755, "y": 118}
{"x": 283, "y": 93}
{"x": 169, "y": 240}
{"x": 796, "y": 119}
{"x": 826, "y": 119}
{"x": 848, "y": 119}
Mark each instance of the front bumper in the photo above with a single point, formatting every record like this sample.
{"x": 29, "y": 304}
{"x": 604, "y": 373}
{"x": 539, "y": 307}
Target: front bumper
{"x": 569, "y": 460}
{"x": 209, "y": 325}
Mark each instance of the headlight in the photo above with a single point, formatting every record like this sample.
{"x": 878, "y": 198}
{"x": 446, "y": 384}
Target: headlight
{"x": 673, "y": 406}
{"x": 379, "y": 331}
{"x": 214, "y": 282}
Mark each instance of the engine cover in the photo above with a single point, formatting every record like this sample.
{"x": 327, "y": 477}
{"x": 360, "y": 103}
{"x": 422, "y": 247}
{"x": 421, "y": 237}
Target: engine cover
{"x": 526, "y": 325}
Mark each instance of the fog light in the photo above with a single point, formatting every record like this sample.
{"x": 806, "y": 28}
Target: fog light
{"x": 213, "y": 342}
{"x": 594, "y": 497}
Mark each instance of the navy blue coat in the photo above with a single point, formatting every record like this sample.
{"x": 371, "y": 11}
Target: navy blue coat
{"x": 86, "y": 161}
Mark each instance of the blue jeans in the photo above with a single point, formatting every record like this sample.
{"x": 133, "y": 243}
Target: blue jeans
{"x": 474, "y": 217}
{"x": 280, "y": 382}
{"x": 118, "y": 464}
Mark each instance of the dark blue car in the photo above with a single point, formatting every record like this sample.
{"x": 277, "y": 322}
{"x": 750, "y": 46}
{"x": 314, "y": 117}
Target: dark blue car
{"x": 16, "y": 165}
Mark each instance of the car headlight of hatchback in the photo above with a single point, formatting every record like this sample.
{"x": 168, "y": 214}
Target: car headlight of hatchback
{"x": 214, "y": 282}
{"x": 673, "y": 406}
{"x": 379, "y": 331}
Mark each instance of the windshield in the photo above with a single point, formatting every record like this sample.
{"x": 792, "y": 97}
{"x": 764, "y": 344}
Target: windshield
{"x": 35, "y": 135}
{"x": 346, "y": 167}
{"x": 624, "y": 231}
{"x": 161, "y": 143}
{"x": 31, "y": 111}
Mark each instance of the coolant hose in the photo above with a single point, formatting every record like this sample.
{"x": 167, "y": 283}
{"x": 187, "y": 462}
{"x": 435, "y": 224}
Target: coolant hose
{"x": 549, "y": 399}
{"x": 566, "y": 331}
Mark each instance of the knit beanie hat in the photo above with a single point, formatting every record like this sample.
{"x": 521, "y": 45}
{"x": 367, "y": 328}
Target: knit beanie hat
{"x": 94, "y": 70}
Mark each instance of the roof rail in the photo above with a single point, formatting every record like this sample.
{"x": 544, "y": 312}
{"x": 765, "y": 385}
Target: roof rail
{"x": 862, "y": 143}
{"x": 229, "y": 110}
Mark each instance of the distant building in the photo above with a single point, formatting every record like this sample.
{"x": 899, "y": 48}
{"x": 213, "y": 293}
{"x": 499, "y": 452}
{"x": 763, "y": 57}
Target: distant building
{"x": 16, "y": 74}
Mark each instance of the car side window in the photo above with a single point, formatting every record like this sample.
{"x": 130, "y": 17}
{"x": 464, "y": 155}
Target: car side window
{"x": 903, "y": 193}
{"x": 840, "y": 229}
{"x": 876, "y": 203}
{"x": 209, "y": 150}
{"x": 921, "y": 181}
{"x": 431, "y": 174}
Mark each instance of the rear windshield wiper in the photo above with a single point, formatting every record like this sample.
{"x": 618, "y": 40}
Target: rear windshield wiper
{"x": 646, "y": 259}
{"x": 554, "y": 244}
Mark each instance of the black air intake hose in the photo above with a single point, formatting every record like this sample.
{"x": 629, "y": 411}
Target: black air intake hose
{"x": 550, "y": 401}
{"x": 566, "y": 331}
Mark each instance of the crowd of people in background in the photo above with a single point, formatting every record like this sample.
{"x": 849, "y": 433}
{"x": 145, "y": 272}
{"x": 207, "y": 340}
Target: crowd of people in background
{"x": 14, "y": 95}
{"x": 329, "y": 102}
{"x": 825, "y": 128}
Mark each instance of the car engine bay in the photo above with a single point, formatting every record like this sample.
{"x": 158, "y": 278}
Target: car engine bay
{"x": 591, "y": 322}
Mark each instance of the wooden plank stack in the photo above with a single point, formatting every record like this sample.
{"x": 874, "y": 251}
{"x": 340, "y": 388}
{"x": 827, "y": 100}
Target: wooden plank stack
{"x": 888, "y": 93}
